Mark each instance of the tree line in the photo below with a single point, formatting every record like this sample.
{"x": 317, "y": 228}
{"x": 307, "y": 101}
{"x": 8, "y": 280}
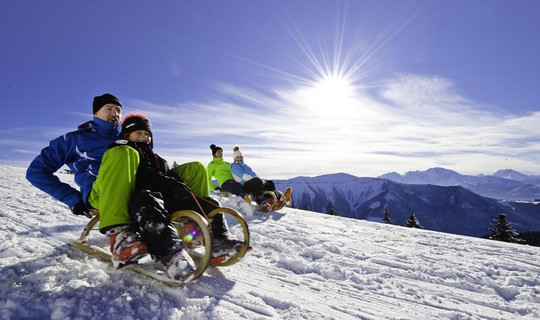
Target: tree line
{"x": 500, "y": 229}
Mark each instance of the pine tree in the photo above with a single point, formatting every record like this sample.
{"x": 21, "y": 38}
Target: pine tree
{"x": 174, "y": 164}
{"x": 502, "y": 230}
{"x": 387, "y": 218}
{"x": 331, "y": 210}
{"x": 412, "y": 222}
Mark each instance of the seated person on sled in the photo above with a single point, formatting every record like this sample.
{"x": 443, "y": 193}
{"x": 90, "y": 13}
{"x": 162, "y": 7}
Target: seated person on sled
{"x": 221, "y": 170}
{"x": 157, "y": 192}
{"x": 263, "y": 191}
{"x": 82, "y": 151}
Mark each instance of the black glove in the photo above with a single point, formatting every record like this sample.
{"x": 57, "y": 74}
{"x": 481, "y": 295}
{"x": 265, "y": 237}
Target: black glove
{"x": 80, "y": 209}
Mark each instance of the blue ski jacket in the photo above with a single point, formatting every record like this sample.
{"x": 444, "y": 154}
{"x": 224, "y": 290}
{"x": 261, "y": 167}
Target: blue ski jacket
{"x": 82, "y": 151}
{"x": 242, "y": 172}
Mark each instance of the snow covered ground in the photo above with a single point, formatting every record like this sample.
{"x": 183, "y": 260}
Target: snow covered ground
{"x": 303, "y": 265}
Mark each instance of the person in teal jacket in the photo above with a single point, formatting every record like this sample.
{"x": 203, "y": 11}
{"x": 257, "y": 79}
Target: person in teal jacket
{"x": 252, "y": 184}
{"x": 221, "y": 170}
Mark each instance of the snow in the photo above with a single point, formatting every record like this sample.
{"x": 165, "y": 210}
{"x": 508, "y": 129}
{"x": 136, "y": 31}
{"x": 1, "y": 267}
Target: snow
{"x": 304, "y": 265}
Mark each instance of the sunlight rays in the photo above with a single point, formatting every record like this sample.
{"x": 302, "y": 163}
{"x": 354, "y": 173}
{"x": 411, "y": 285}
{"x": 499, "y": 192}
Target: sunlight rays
{"x": 323, "y": 115}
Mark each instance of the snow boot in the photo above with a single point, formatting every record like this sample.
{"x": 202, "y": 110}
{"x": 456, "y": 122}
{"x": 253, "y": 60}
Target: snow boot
{"x": 223, "y": 249}
{"x": 288, "y": 194}
{"x": 127, "y": 246}
{"x": 266, "y": 202}
{"x": 180, "y": 266}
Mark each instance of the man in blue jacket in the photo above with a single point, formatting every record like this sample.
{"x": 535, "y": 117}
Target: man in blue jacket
{"x": 81, "y": 150}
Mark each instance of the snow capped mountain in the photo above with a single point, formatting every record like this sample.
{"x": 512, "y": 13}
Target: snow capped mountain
{"x": 435, "y": 176}
{"x": 517, "y": 176}
{"x": 452, "y": 209}
{"x": 504, "y": 184}
{"x": 303, "y": 265}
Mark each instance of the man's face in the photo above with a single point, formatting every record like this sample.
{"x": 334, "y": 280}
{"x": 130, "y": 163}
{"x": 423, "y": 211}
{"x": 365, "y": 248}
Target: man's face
{"x": 110, "y": 112}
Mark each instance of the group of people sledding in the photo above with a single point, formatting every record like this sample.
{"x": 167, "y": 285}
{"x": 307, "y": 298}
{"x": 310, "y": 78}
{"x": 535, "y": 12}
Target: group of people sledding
{"x": 133, "y": 188}
{"x": 239, "y": 179}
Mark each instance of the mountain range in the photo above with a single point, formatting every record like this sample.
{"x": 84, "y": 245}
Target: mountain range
{"x": 504, "y": 184}
{"x": 441, "y": 199}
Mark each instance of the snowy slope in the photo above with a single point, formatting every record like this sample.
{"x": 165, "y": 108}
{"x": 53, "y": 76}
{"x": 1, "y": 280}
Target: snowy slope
{"x": 304, "y": 266}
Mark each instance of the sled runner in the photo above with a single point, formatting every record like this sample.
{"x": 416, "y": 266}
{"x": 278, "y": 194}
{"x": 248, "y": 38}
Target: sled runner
{"x": 193, "y": 229}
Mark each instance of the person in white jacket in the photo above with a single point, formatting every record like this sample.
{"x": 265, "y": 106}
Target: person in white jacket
{"x": 252, "y": 184}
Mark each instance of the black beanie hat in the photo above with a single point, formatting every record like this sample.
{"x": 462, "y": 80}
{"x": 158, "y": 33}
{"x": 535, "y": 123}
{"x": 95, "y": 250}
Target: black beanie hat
{"x": 100, "y": 101}
{"x": 133, "y": 122}
{"x": 215, "y": 149}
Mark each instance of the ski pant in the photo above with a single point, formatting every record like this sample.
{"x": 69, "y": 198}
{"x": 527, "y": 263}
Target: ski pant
{"x": 233, "y": 187}
{"x": 177, "y": 197}
{"x": 195, "y": 176}
{"x": 204, "y": 205}
{"x": 116, "y": 182}
{"x": 152, "y": 221}
{"x": 256, "y": 186}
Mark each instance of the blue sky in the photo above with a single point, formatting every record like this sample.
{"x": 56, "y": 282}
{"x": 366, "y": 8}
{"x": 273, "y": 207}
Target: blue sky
{"x": 304, "y": 87}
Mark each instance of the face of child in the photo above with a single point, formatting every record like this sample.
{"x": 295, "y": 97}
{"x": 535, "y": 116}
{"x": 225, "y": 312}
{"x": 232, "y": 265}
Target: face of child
{"x": 140, "y": 136}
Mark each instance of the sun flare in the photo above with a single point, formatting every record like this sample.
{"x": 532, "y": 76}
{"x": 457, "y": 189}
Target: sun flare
{"x": 334, "y": 89}
{"x": 329, "y": 96}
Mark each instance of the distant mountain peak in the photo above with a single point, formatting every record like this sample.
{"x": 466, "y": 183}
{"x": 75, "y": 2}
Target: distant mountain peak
{"x": 508, "y": 173}
{"x": 327, "y": 178}
{"x": 503, "y": 184}
{"x": 441, "y": 170}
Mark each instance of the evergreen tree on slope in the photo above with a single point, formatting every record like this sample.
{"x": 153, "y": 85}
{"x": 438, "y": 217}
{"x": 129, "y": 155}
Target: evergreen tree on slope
{"x": 502, "y": 230}
{"x": 330, "y": 209}
{"x": 412, "y": 222}
{"x": 387, "y": 218}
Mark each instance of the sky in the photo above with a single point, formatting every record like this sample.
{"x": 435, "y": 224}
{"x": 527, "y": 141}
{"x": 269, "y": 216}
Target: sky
{"x": 396, "y": 272}
{"x": 305, "y": 87}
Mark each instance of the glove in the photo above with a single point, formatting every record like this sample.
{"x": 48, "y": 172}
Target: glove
{"x": 217, "y": 188}
{"x": 80, "y": 209}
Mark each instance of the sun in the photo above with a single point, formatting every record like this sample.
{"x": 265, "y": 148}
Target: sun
{"x": 329, "y": 96}
{"x": 333, "y": 89}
